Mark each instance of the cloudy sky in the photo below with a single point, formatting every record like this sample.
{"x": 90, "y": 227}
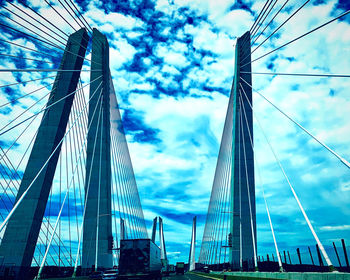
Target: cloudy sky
{"x": 172, "y": 64}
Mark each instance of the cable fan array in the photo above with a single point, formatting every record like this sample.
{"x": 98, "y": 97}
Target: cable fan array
{"x": 32, "y": 47}
{"x": 218, "y": 238}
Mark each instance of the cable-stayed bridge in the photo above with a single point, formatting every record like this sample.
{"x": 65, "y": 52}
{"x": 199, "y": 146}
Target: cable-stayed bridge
{"x": 69, "y": 146}
{"x": 75, "y": 153}
{"x": 230, "y": 235}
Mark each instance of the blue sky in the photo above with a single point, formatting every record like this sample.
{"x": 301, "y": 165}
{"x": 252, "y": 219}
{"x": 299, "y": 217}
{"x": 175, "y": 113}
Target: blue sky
{"x": 172, "y": 64}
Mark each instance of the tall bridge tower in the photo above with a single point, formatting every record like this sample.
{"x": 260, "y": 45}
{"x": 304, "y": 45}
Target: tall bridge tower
{"x": 97, "y": 233}
{"x": 229, "y": 239}
{"x": 22, "y": 231}
{"x": 108, "y": 171}
{"x": 242, "y": 199}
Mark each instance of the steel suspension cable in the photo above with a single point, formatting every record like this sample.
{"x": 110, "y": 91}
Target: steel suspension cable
{"x": 14, "y": 171}
{"x": 207, "y": 230}
{"x": 99, "y": 196}
{"x": 82, "y": 16}
{"x": 46, "y": 70}
{"x": 48, "y": 43}
{"x": 45, "y": 19}
{"x": 256, "y": 20}
{"x": 134, "y": 192}
{"x": 324, "y": 253}
{"x": 32, "y": 37}
{"x": 98, "y": 103}
{"x": 278, "y": 28}
{"x": 26, "y": 58}
{"x": 302, "y": 36}
{"x": 5, "y": 152}
{"x": 41, "y": 169}
{"x": 60, "y": 203}
{"x": 72, "y": 177}
{"x": 214, "y": 218}
{"x": 79, "y": 139}
{"x": 300, "y": 74}
{"x": 21, "y": 134}
{"x": 267, "y": 25}
{"x": 68, "y": 210}
{"x": 25, "y": 111}
{"x": 216, "y": 210}
{"x": 60, "y": 212}
{"x": 28, "y": 81}
{"x": 124, "y": 188}
{"x": 224, "y": 201}
{"x": 33, "y": 18}
{"x": 75, "y": 10}
{"x": 118, "y": 183}
{"x": 262, "y": 19}
{"x": 221, "y": 197}
{"x": 31, "y": 24}
{"x": 344, "y": 161}
{"x": 128, "y": 189}
{"x": 27, "y": 48}
{"x": 43, "y": 39}
{"x": 15, "y": 187}
{"x": 262, "y": 186}
{"x": 126, "y": 170}
{"x": 228, "y": 208}
{"x": 114, "y": 214}
{"x": 240, "y": 195}
{"x": 16, "y": 99}
{"x": 80, "y": 160}
{"x": 248, "y": 192}
{"x": 133, "y": 195}
{"x": 48, "y": 219}
{"x": 60, "y": 15}
{"x": 70, "y": 13}
{"x": 8, "y": 210}
{"x": 43, "y": 110}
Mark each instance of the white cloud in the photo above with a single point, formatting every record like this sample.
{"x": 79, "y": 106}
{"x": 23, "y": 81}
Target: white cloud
{"x": 173, "y": 55}
{"x": 335, "y": 228}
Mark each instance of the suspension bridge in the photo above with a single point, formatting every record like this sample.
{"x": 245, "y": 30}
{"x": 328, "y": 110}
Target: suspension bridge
{"x": 68, "y": 189}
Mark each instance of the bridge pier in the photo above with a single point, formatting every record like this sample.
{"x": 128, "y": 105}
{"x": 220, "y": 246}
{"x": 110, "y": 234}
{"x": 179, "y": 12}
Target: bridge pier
{"x": 22, "y": 231}
{"x": 192, "y": 256}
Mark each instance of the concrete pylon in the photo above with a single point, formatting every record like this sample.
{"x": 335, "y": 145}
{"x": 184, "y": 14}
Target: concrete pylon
{"x": 154, "y": 229}
{"x": 22, "y": 231}
{"x": 97, "y": 228}
{"x": 162, "y": 241}
{"x": 122, "y": 229}
{"x": 243, "y": 216}
{"x": 192, "y": 257}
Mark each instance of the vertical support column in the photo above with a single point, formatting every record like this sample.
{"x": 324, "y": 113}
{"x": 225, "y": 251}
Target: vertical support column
{"x": 192, "y": 257}
{"x": 22, "y": 231}
{"x": 161, "y": 240}
{"x": 154, "y": 229}
{"x": 240, "y": 222}
{"x": 97, "y": 234}
{"x": 122, "y": 229}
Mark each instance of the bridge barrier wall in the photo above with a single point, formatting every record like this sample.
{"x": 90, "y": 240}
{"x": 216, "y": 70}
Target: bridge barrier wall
{"x": 278, "y": 275}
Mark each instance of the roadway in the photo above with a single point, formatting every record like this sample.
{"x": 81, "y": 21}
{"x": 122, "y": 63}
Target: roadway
{"x": 187, "y": 276}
